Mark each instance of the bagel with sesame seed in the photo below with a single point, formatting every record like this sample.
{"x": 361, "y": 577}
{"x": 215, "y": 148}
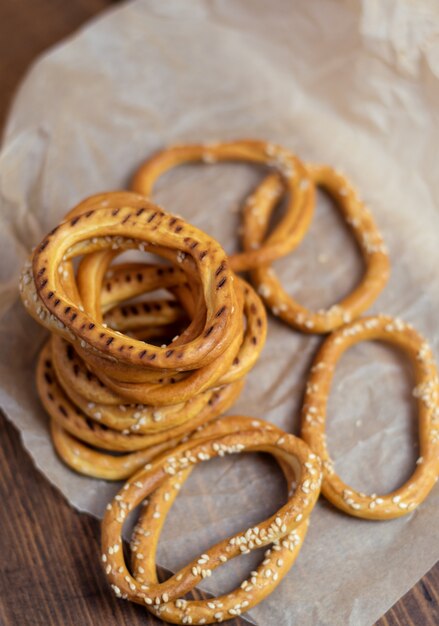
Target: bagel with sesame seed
{"x": 262, "y": 246}
{"x": 414, "y": 491}
{"x": 159, "y": 481}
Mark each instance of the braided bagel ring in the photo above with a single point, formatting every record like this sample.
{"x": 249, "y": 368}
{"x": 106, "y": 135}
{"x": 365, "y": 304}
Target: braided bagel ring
{"x": 27, "y": 283}
{"x": 291, "y": 176}
{"x": 278, "y": 559}
{"x": 369, "y": 241}
{"x": 293, "y": 453}
{"x": 417, "y": 487}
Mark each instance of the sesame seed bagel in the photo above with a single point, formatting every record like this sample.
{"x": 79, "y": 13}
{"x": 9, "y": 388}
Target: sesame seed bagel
{"x": 290, "y": 177}
{"x": 367, "y": 236}
{"x": 160, "y": 480}
{"x": 262, "y": 246}
{"x": 407, "y": 497}
{"x": 277, "y": 561}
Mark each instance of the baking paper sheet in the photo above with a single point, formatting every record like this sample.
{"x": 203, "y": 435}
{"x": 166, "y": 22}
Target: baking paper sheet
{"x": 352, "y": 83}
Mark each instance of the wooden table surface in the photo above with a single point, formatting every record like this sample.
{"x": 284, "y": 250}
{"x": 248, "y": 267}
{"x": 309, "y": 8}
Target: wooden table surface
{"x": 49, "y": 567}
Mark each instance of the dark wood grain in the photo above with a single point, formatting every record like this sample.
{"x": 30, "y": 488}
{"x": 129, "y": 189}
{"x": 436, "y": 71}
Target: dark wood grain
{"x": 27, "y": 27}
{"x": 419, "y": 607}
{"x": 49, "y": 554}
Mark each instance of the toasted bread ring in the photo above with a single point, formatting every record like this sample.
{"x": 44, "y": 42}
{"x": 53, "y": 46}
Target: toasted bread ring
{"x": 289, "y": 177}
{"x": 370, "y": 243}
{"x": 418, "y": 486}
{"x": 277, "y": 561}
{"x": 293, "y": 453}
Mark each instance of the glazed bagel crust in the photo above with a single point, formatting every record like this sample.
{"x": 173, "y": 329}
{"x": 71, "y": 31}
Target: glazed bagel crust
{"x": 287, "y": 525}
{"x": 418, "y": 486}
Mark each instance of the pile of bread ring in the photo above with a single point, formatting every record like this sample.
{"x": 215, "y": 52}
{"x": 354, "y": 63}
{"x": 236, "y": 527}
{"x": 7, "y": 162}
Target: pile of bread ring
{"x": 145, "y": 355}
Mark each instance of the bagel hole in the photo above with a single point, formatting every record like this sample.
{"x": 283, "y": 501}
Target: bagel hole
{"x": 138, "y": 256}
{"x": 151, "y": 334}
{"x": 327, "y": 265}
{"x": 210, "y": 197}
{"x": 168, "y": 331}
{"x": 221, "y": 497}
{"x": 372, "y": 423}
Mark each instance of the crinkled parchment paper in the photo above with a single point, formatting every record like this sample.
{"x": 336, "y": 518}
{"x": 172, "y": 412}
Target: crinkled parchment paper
{"x": 352, "y": 83}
